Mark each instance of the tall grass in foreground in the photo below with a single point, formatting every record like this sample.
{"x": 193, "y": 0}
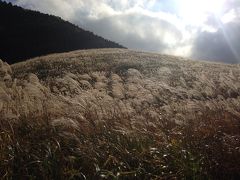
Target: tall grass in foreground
{"x": 205, "y": 148}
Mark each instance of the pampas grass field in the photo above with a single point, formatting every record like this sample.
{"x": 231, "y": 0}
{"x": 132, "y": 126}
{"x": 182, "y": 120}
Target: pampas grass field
{"x": 119, "y": 114}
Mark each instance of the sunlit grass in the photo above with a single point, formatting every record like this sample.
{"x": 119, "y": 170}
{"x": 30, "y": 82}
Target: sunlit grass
{"x": 120, "y": 115}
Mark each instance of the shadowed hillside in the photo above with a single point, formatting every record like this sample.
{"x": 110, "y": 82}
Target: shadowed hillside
{"x": 25, "y": 34}
{"x": 119, "y": 114}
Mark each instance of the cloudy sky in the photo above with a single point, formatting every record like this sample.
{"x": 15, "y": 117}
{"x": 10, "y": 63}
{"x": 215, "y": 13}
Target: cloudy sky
{"x": 201, "y": 29}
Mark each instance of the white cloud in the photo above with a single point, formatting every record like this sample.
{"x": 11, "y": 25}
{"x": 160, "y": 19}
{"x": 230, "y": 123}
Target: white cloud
{"x": 230, "y": 16}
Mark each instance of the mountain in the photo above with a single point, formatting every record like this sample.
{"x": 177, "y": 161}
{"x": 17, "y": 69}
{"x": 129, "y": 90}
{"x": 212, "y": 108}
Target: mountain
{"x": 119, "y": 114}
{"x": 25, "y": 34}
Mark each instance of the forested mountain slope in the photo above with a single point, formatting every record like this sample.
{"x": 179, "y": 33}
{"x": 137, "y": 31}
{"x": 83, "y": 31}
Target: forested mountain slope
{"x": 25, "y": 34}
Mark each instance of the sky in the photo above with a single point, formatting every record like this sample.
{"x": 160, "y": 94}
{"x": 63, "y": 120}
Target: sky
{"x": 199, "y": 29}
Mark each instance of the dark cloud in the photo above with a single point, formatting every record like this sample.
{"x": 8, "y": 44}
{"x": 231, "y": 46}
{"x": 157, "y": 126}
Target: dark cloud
{"x": 222, "y": 45}
{"x": 136, "y": 31}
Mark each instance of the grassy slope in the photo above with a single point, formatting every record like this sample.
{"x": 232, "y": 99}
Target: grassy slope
{"x": 138, "y": 115}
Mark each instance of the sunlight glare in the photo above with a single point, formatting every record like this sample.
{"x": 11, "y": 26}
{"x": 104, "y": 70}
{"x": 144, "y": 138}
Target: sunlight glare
{"x": 195, "y": 12}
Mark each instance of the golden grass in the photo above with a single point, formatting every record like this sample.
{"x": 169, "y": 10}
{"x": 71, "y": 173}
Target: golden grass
{"x": 119, "y": 114}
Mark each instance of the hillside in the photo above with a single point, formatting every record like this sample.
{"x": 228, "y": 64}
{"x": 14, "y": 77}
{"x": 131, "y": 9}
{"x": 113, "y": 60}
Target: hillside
{"x": 25, "y": 34}
{"x": 116, "y": 113}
